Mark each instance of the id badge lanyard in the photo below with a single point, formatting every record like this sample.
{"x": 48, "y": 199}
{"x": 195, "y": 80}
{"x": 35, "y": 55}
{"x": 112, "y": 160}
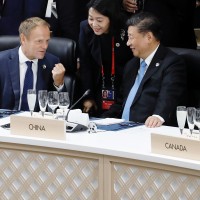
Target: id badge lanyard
{"x": 112, "y": 68}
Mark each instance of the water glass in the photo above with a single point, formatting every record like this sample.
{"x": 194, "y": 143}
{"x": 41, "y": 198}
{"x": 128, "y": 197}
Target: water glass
{"x": 190, "y": 118}
{"x": 31, "y": 98}
{"x": 197, "y": 119}
{"x": 181, "y": 113}
{"x": 43, "y": 100}
{"x": 64, "y": 102}
{"x": 53, "y": 100}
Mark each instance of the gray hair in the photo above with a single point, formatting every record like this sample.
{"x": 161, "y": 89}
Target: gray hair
{"x": 29, "y": 24}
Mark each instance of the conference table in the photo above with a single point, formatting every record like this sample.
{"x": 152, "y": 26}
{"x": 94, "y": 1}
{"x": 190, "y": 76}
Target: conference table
{"x": 106, "y": 165}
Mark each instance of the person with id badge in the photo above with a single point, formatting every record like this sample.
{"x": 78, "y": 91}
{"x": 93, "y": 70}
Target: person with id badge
{"x": 103, "y": 53}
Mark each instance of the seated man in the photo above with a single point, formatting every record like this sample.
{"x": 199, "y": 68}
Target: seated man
{"x": 154, "y": 81}
{"x": 44, "y": 73}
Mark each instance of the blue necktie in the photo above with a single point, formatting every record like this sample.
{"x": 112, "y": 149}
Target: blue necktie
{"x": 133, "y": 91}
{"x": 28, "y": 84}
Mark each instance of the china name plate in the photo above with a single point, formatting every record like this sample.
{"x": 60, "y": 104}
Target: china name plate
{"x": 38, "y": 127}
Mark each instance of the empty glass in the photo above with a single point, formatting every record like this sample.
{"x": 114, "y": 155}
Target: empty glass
{"x": 64, "y": 102}
{"x": 31, "y": 98}
{"x": 190, "y": 118}
{"x": 181, "y": 113}
{"x": 43, "y": 99}
{"x": 197, "y": 119}
{"x": 53, "y": 100}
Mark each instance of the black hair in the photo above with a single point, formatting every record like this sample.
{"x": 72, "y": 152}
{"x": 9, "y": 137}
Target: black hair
{"x": 145, "y": 22}
{"x": 112, "y": 10}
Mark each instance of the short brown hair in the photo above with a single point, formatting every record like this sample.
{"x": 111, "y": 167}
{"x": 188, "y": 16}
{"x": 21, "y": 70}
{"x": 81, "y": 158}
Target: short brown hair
{"x": 27, "y": 25}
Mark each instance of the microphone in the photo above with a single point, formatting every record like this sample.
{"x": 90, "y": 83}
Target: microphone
{"x": 84, "y": 95}
{"x": 71, "y": 126}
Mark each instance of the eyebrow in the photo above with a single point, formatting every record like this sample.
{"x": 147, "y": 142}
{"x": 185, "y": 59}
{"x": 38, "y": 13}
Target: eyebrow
{"x": 96, "y": 18}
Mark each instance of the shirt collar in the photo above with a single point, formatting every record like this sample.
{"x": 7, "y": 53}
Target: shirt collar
{"x": 23, "y": 58}
{"x": 150, "y": 57}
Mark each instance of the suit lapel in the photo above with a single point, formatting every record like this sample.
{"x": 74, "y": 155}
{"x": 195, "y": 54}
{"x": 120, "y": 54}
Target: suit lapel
{"x": 95, "y": 49}
{"x": 42, "y": 78}
{"x": 44, "y": 74}
{"x": 40, "y": 75}
{"x": 13, "y": 67}
{"x": 129, "y": 80}
{"x": 155, "y": 64}
{"x": 133, "y": 73}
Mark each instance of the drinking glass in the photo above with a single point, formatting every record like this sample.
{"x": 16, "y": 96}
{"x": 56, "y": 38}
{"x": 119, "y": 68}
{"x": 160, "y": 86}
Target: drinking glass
{"x": 53, "y": 100}
{"x": 64, "y": 102}
{"x": 31, "y": 98}
{"x": 190, "y": 118}
{"x": 134, "y": 4}
{"x": 181, "y": 113}
{"x": 197, "y": 119}
{"x": 43, "y": 99}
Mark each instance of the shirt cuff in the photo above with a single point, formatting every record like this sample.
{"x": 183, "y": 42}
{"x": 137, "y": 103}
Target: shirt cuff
{"x": 158, "y": 116}
{"x": 59, "y": 88}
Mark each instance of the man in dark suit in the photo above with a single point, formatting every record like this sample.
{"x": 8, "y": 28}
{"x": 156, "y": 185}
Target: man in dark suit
{"x": 64, "y": 20}
{"x": 163, "y": 85}
{"x": 176, "y": 18}
{"x": 83, "y": 11}
{"x": 14, "y": 12}
{"x": 65, "y": 24}
{"x": 47, "y": 72}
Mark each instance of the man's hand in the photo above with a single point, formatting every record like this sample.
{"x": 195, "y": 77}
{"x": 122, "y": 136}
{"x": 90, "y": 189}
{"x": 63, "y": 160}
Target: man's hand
{"x": 58, "y": 73}
{"x": 130, "y": 5}
{"x": 88, "y": 105}
{"x": 153, "y": 121}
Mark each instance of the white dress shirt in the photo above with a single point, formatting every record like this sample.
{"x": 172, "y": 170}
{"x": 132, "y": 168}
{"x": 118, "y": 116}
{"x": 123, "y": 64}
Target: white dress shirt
{"x": 22, "y": 71}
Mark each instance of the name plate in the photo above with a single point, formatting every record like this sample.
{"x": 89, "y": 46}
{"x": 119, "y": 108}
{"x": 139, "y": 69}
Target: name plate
{"x": 175, "y": 146}
{"x": 38, "y": 127}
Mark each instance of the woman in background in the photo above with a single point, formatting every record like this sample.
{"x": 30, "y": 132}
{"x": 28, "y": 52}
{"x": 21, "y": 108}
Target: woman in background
{"x": 103, "y": 54}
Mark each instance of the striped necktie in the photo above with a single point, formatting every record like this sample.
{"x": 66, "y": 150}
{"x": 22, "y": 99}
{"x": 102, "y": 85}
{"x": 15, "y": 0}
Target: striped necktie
{"x": 28, "y": 84}
{"x": 133, "y": 91}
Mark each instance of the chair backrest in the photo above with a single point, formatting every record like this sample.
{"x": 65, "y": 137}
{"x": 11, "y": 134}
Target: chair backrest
{"x": 192, "y": 60}
{"x": 63, "y": 48}
{"x": 8, "y": 42}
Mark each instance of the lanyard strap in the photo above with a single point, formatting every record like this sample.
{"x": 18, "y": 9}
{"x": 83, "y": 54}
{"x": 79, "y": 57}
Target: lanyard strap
{"x": 112, "y": 65}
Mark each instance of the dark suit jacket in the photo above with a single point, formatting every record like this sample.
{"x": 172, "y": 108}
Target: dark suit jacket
{"x": 83, "y": 10}
{"x": 14, "y": 12}
{"x": 10, "y": 80}
{"x": 91, "y": 63}
{"x": 176, "y": 18}
{"x": 162, "y": 89}
{"x": 67, "y": 23}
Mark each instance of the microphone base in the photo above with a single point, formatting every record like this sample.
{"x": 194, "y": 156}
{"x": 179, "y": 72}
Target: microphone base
{"x": 74, "y": 127}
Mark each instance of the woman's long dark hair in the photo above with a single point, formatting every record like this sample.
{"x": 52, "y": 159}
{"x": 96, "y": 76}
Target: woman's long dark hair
{"x": 112, "y": 10}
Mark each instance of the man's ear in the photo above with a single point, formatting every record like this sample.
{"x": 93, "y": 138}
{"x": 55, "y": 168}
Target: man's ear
{"x": 22, "y": 38}
{"x": 149, "y": 36}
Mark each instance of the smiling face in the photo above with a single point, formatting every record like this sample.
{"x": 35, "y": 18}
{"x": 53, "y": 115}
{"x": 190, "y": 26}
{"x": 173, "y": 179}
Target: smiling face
{"x": 142, "y": 44}
{"x": 99, "y": 23}
{"x": 35, "y": 44}
{"x": 138, "y": 42}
